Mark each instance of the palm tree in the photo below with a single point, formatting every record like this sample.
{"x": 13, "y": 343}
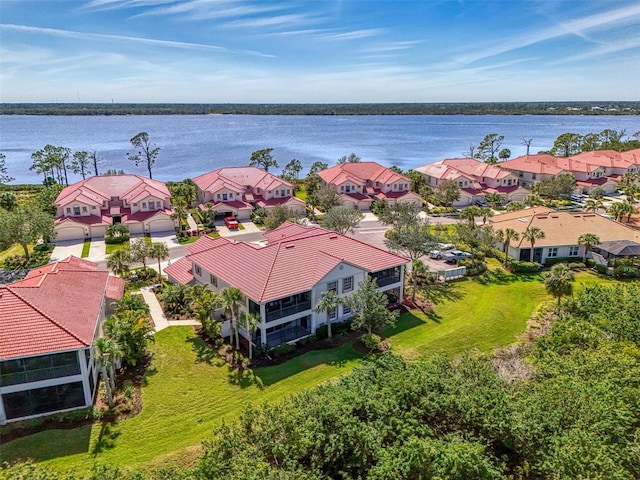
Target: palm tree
{"x": 118, "y": 262}
{"x": 532, "y": 234}
{"x": 231, "y": 300}
{"x": 470, "y": 214}
{"x": 180, "y": 214}
{"x": 592, "y": 205}
{"x": 558, "y": 281}
{"x": 106, "y": 352}
{"x": 251, "y": 322}
{"x": 159, "y": 251}
{"x": 204, "y": 306}
{"x": 328, "y": 303}
{"x": 620, "y": 209}
{"x": 418, "y": 269}
{"x": 509, "y": 234}
{"x": 588, "y": 240}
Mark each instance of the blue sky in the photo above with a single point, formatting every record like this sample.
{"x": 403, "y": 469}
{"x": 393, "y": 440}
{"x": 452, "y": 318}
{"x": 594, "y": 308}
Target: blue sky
{"x": 208, "y": 51}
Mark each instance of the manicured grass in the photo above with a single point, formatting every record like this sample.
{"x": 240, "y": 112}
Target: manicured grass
{"x": 147, "y": 239}
{"x": 14, "y": 250}
{"x": 113, "y": 247}
{"x": 85, "y": 248}
{"x": 240, "y": 226}
{"x": 189, "y": 391}
{"x": 187, "y": 240}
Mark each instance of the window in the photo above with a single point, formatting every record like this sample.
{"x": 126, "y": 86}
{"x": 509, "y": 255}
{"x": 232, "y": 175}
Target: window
{"x": 573, "y": 251}
{"x": 347, "y": 284}
{"x": 198, "y": 269}
{"x": 230, "y": 194}
{"x": 346, "y": 311}
{"x": 348, "y": 188}
{"x": 218, "y": 196}
{"x": 533, "y": 176}
{"x": 43, "y": 400}
{"x": 282, "y": 194}
{"x": 158, "y": 205}
{"x": 68, "y": 210}
{"x": 342, "y": 188}
{"x": 135, "y": 204}
{"x": 288, "y": 191}
{"x": 213, "y": 280}
{"x": 76, "y": 210}
{"x": 84, "y": 209}
{"x": 333, "y": 314}
{"x": 93, "y": 207}
{"x": 332, "y": 286}
{"x": 144, "y": 204}
{"x": 553, "y": 252}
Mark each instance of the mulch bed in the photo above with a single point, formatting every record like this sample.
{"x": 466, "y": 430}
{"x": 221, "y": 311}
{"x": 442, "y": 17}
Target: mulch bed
{"x": 122, "y": 410}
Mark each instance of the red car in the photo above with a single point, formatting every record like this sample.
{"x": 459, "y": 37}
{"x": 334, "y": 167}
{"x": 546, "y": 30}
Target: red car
{"x": 231, "y": 222}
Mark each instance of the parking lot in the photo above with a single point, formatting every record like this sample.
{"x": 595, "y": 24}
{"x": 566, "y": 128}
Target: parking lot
{"x": 372, "y": 232}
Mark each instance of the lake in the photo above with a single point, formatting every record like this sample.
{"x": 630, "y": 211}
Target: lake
{"x": 195, "y": 144}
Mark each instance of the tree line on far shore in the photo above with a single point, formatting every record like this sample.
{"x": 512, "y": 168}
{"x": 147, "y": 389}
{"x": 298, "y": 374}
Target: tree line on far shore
{"x": 496, "y": 108}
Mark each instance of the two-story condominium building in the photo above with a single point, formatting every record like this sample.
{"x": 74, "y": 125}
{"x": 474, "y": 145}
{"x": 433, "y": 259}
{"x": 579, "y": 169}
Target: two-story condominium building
{"x": 475, "y": 179}
{"x": 561, "y": 232}
{"x": 239, "y": 190}
{"x": 87, "y": 208}
{"x": 284, "y": 280}
{"x": 531, "y": 169}
{"x": 48, "y": 324}
{"x": 360, "y": 183}
{"x": 599, "y": 168}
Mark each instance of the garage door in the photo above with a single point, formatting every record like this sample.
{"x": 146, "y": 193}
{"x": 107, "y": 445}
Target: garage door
{"x": 98, "y": 231}
{"x": 134, "y": 227}
{"x": 162, "y": 226}
{"x": 69, "y": 233}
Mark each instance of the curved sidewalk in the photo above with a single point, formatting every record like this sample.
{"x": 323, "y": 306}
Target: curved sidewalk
{"x": 160, "y": 321}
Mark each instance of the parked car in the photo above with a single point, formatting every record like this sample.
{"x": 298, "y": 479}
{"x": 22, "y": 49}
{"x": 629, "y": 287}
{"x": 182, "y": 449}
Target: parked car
{"x": 231, "y": 222}
{"x": 436, "y": 254}
{"x": 578, "y": 198}
{"x": 482, "y": 203}
{"x": 446, "y": 246}
{"x": 454, "y": 256}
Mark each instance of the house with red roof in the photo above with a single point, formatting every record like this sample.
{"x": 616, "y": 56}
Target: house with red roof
{"x": 238, "y": 191}
{"x": 359, "y": 184}
{"x": 283, "y": 281}
{"x": 599, "y": 168}
{"x": 87, "y": 208}
{"x": 475, "y": 179}
{"x": 48, "y": 324}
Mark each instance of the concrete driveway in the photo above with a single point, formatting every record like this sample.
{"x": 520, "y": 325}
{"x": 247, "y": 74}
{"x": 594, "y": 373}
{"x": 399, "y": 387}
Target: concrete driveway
{"x": 168, "y": 238}
{"x": 97, "y": 251}
{"x": 66, "y": 248}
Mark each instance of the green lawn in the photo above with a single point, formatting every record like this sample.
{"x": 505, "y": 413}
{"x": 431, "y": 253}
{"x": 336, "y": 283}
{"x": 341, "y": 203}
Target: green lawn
{"x": 85, "y": 248}
{"x": 189, "y": 390}
{"x": 114, "y": 247}
{"x": 13, "y": 250}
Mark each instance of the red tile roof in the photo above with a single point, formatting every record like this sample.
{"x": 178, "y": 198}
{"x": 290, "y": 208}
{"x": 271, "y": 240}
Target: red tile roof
{"x": 295, "y": 259}
{"x": 237, "y": 179}
{"x": 540, "y": 164}
{"x": 54, "y": 309}
{"x": 360, "y": 172}
{"x": 70, "y": 263}
{"x": 181, "y": 271}
{"x": 95, "y": 190}
{"x": 477, "y": 169}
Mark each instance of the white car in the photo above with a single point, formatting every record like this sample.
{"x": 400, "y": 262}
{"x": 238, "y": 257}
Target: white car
{"x": 436, "y": 254}
{"x": 446, "y": 246}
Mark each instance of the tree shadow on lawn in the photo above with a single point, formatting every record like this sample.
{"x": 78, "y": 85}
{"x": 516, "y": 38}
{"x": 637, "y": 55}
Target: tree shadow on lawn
{"x": 47, "y": 445}
{"x": 442, "y": 292}
{"x": 106, "y": 440}
{"x": 499, "y": 277}
{"x": 244, "y": 378}
{"x": 335, "y": 357}
{"x": 205, "y": 353}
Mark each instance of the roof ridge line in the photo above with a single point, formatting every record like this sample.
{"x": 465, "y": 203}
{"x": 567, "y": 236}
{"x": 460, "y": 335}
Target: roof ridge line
{"x": 273, "y": 261}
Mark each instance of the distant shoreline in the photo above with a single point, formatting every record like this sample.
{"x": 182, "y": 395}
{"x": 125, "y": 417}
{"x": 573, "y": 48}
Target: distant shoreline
{"x": 594, "y": 108}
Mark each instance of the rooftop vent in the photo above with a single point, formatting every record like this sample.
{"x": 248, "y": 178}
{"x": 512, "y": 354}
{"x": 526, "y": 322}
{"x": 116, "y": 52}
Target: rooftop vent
{"x": 331, "y": 237}
{"x": 289, "y": 246}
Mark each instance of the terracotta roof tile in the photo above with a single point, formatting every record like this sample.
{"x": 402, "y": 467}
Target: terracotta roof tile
{"x": 360, "y": 172}
{"x": 180, "y": 271}
{"x": 292, "y": 248}
{"x": 55, "y": 308}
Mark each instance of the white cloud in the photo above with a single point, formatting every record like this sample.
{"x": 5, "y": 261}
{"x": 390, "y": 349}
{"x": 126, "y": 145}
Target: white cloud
{"x": 148, "y": 41}
{"x": 577, "y": 27}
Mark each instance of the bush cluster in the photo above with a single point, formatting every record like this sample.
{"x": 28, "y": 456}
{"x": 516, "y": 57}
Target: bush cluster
{"x": 516, "y": 266}
{"x": 371, "y": 341}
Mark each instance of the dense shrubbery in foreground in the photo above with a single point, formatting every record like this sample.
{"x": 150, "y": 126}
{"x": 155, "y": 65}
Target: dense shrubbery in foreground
{"x": 571, "y": 410}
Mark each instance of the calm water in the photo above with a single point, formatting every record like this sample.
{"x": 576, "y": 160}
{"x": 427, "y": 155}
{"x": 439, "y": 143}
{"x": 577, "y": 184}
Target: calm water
{"x": 191, "y": 145}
